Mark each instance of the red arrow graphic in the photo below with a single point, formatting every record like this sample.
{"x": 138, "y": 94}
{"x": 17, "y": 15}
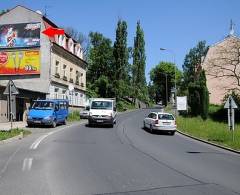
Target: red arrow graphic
{"x": 53, "y": 31}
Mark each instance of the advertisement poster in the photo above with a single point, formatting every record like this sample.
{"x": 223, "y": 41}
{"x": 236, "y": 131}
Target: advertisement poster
{"x": 182, "y": 103}
{"x": 21, "y": 62}
{"x": 20, "y": 35}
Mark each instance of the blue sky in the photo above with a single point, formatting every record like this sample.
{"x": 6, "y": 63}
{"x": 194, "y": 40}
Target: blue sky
{"x": 173, "y": 24}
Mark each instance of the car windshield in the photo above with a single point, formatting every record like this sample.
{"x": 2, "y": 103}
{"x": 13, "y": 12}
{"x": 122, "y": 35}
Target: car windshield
{"x": 101, "y": 105}
{"x": 44, "y": 105}
{"x": 165, "y": 117}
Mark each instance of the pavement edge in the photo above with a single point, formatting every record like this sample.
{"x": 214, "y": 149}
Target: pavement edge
{"x": 207, "y": 142}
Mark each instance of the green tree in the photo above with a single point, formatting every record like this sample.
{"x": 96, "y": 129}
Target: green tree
{"x": 163, "y": 79}
{"x": 195, "y": 80}
{"x": 139, "y": 63}
{"x": 100, "y": 57}
{"x": 192, "y": 63}
{"x": 100, "y": 68}
{"x": 3, "y": 11}
{"x": 121, "y": 56}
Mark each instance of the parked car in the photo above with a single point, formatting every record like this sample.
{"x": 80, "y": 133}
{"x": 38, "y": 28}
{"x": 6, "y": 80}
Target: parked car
{"x": 84, "y": 113}
{"x": 48, "y": 112}
{"x": 160, "y": 122}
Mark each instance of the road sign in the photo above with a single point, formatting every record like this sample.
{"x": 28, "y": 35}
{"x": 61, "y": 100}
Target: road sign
{"x": 230, "y": 103}
{"x": 11, "y": 89}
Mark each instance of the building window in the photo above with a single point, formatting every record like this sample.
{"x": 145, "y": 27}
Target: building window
{"x": 57, "y": 69}
{"x": 77, "y": 78}
{"x": 64, "y": 72}
{"x": 56, "y": 93}
{"x": 71, "y": 77}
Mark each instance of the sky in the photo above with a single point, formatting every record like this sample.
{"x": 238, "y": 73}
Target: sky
{"x": 177, "y": 25}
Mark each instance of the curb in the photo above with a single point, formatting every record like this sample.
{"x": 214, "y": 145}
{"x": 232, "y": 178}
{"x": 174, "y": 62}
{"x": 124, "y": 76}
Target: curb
{"x": 210, "y": 143}
{"x": 17, "y": 137}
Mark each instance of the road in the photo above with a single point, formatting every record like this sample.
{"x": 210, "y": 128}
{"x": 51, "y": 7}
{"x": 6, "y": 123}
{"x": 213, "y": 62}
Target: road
{"x": 122, "y": 160}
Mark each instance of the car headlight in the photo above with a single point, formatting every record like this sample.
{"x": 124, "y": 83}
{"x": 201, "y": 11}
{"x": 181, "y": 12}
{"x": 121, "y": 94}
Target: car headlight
{"x": 90, "y": 114}
{"x": 48, "y": 118}
{"x": 29, "y": 117}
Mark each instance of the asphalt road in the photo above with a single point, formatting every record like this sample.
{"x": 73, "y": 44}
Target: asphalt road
{"x": 122, "y": 160}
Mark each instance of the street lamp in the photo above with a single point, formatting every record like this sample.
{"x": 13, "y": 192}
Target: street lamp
{"x": 166, "y": 90}
{"x": 175, "y": 84}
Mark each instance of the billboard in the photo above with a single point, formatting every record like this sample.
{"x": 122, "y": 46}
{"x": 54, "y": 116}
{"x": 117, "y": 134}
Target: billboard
{"x": 20, "y": 35}
{"x": 182, "y": 103}
{"x": 21, "y": 62}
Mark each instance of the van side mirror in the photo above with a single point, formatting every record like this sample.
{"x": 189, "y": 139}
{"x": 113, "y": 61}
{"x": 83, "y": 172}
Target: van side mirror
{"x": 88, "y": 108}
{"x": 56, "y": 108}
{"x": 114, "y": 109}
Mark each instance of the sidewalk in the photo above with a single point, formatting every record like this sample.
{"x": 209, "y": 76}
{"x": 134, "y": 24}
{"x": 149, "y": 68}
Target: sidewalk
{"x": 7, "y": 126}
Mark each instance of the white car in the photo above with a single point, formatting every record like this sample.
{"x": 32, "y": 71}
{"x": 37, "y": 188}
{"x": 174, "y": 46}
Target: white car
{"x": 160, "y": 122}
{"x": 84, "y": 114}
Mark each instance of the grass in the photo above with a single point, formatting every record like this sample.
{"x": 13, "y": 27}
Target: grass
{"x": 73, "y": 116}
{"x": 123, "y": 105}
{"x": 210, "y": 130}
{"x": 14, "y": 132}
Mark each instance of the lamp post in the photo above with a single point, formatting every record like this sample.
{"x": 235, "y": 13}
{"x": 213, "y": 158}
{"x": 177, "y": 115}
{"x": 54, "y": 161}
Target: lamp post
{"x": 175, "y": 84}
{"x": 166, "y": 87}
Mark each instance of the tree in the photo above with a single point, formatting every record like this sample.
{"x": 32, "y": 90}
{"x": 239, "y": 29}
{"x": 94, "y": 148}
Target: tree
{"x": 100, "y": 68}
{"x": 80, "y": 38}
{"x": 139, "y": 63}
{"x": 195, "y": 80}
{"x": 192, "y": 62}
{"x": 163, "y": 79}
{"x": 120, "y": 53}
{"x": 3, "y": 11}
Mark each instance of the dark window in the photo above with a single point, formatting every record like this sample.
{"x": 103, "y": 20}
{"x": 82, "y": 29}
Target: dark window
{"x": 165, "y": 117}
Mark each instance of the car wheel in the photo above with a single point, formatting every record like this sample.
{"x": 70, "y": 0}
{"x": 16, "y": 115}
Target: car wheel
{"x": 172, "y": 132}
{"x": 144, "y": 125}
{"x": 54, "y": 124}
{"x": 111, "y": 125}
{"x": 65, "y": 121}
{"x": 151, "y": 129}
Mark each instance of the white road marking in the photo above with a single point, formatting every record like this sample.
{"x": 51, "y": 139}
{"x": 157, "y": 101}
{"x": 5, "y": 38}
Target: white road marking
{"x": 40, "y": 139}
{"x": 27, "y": 164}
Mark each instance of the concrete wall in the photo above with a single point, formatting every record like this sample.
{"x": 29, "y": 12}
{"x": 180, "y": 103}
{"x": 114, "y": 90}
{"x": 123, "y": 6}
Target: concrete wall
{"x": 218, "y": 64}
{"x": 36, "y": 82}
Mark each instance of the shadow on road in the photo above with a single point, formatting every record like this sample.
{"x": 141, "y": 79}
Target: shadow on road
{"x": 156, "y": 132}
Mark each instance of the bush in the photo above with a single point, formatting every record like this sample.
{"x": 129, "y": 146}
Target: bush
{"x": 73, "y": 116}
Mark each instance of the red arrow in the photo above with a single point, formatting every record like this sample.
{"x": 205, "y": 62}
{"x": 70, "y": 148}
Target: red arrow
{"x": 53, "y": 31}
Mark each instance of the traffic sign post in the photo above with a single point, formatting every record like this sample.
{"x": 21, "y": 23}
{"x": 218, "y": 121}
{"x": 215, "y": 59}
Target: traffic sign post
{"x": 231, "y": 105}
{"x": 10, "y": 90}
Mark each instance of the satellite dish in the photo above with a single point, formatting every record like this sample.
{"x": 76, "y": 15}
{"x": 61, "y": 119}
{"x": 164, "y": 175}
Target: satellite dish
{"x": 70, "y": 87}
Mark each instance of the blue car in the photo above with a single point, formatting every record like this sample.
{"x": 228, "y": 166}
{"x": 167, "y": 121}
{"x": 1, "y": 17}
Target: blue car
{"x": 48, "y": 112}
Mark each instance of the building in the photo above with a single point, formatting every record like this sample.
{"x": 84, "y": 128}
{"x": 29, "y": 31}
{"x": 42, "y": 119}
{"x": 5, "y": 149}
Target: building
{"x": 40, "y": 66}
{"x": 221, "y": 66}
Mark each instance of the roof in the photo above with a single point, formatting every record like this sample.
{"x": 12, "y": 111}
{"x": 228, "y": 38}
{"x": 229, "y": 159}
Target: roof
{"x": 227, "y": 37}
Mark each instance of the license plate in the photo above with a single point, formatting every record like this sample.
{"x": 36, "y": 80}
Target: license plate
{"x": 166, "y": 123}
{"x": 99, "y": 121}
{"x": 37, "y": 121}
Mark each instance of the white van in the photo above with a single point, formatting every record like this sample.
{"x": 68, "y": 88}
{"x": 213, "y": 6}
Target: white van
{"x": 102, "y": 111}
